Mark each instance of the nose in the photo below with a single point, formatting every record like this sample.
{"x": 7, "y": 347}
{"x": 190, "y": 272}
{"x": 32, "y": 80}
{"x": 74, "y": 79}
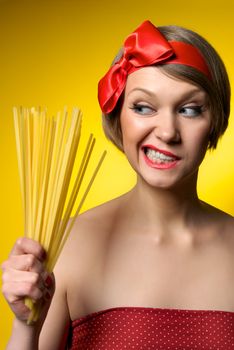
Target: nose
{"x": 167, "y": 128}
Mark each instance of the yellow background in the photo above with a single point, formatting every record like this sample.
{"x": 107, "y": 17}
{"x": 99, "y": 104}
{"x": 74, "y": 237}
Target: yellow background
{"x": 52, "y": 53}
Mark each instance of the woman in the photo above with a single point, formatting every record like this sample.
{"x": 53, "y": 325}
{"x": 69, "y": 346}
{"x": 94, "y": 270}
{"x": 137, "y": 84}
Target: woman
{"x": 152, "y": 269}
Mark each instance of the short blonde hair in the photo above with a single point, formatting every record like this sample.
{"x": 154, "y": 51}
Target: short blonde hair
{"x": 217, "y": 88}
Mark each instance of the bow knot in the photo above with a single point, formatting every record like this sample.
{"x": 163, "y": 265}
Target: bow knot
{"x": 139, "y": 50}
{"x": 125, "y": 63}
{"x": 144, "y": 47}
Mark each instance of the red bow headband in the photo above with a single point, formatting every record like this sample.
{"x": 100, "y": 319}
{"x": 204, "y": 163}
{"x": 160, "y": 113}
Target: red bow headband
{"x": 146, "y": 46}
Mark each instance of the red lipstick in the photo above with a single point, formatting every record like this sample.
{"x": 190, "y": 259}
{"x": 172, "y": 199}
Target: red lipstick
{"x": 160, "y": 165}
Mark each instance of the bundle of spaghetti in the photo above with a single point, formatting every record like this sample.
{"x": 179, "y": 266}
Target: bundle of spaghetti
{"x": 46, "y": 152}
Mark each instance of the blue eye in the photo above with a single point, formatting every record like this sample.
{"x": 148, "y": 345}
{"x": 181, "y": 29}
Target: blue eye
{"x": 142, "y": 109}
{"x": 191, "y": 111}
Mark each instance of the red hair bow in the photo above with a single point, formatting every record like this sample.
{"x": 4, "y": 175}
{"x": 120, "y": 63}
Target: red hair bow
{"x": 144, "y": 47}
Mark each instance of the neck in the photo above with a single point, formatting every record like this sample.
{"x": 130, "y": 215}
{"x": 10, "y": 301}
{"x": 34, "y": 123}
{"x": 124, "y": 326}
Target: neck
{"x": 169, "y": 210}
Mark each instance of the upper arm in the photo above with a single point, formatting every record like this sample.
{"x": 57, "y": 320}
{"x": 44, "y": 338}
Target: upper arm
{"x": 58, "y": 319}
{"x": 69, "y": 268}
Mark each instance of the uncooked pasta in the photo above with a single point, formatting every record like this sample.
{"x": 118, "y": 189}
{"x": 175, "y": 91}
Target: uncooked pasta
{"x": 46, "y": 152}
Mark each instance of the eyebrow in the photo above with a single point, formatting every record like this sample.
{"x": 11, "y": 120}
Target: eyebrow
{"x": 148, "y": 92}
{"x": 153, "y": 94}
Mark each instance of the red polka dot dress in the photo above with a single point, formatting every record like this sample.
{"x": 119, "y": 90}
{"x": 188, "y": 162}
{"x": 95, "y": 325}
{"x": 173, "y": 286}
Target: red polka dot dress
{"x": 138, "y": 328}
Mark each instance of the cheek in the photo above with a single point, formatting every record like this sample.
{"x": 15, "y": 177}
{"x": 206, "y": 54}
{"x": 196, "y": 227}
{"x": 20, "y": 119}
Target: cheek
{"x": 203, "y": 134}
{"x": 197, "y": 140}
{"x": 132, "y": 130}
{"x": 199, "y": 130}
{"x": 133, "y": 134}
{"x": 126, "y": 135}
{"x": 129, "y": 138}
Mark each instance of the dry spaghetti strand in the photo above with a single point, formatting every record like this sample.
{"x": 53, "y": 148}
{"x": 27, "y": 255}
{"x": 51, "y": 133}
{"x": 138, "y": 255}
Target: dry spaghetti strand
{"x": 46, "y": 152}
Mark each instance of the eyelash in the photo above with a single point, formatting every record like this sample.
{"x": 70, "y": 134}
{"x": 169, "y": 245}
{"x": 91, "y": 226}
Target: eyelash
{"x": 138, "y": 106}
{"x": 196, "y": 110}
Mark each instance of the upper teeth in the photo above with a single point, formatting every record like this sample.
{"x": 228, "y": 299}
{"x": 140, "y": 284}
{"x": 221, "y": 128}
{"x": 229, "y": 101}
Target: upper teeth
{"x": 152, "y": 154}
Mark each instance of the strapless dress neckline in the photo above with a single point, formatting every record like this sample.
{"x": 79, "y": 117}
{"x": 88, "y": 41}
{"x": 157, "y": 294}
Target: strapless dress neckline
{"x": 148, "y": 328}
{"x": 156, "y": 309}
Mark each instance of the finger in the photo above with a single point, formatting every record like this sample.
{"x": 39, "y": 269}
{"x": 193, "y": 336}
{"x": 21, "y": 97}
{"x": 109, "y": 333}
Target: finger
{"x": 41, "y": 280}
{"x": 26, "y": 262}
{"x": 26, "y": 245}
{"x": 12, "y": 275}
{"x": 21, "y": 290}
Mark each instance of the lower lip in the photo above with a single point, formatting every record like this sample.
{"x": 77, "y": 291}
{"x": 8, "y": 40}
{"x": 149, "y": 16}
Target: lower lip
{"x": 163, "y": 166}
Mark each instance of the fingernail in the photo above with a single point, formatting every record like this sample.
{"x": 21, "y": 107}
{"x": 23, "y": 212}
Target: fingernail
{"x": 48, "y": 281}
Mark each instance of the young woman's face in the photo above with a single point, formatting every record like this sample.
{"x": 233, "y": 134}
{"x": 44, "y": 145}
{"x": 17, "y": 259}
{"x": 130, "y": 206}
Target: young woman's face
{"x": 165, "y": 125}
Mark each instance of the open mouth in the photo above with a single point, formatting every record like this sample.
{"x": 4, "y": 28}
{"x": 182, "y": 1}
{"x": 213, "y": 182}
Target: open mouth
{"x": 157, "y": 156}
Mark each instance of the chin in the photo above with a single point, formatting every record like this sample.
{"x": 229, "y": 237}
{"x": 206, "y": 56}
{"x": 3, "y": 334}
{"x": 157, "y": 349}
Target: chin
{"x": 169, "y": 182}
{"x": 163, "y": 183}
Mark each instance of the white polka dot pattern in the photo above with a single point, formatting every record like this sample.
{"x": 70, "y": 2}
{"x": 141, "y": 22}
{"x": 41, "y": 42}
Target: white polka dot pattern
{"x": 138, "y": 328}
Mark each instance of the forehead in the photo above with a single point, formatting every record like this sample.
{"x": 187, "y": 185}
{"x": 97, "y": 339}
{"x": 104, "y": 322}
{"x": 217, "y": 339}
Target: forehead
{"x": 156, "y": 81}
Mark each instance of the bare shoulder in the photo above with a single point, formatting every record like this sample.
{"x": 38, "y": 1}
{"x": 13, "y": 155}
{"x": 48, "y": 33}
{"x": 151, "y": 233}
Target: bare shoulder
{"x": 101, "y": 216}
{"x": 223, "y": 221}
{"x": 216, "y": 212}
{"x": 88, "y": 236}
{"x": 80, "y": 265}
{"x": 98, "y": 221}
